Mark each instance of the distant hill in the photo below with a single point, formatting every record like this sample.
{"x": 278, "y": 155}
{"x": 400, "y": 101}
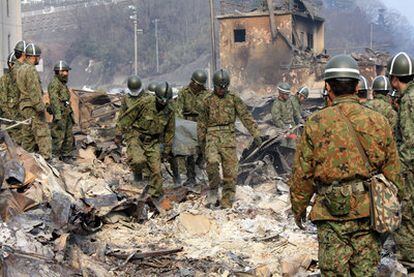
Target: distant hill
{"x": 100, "y": 37}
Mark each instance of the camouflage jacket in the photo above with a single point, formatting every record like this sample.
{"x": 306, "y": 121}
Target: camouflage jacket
{"x": 327, "y": 154}
{"x": 217, "y": 112}
{"x": 30, "y": 88}
{"x": 283, "y": 113}
{"x": 139, "y": 114}
{"x": 380, "y": 104}
{"x": 297, "y": 109}
{"x": 9, "y": 97}
{"x": 59, "y": 98}
{"x": 188, "y": 103}
{"x": 406, "y": 126}
{"x": 15, "y": 69}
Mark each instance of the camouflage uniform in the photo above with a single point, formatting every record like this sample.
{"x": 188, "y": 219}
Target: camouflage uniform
{"x": 61, "y": 128}
{"x": 37, "y": 135}
{"x": 283, "y": 113}
{"x": 380, "y": 104}
{"x": 284, "y": 116}
{"x": 188, "y": 106}
{"x": 9, "y": 103}
{"x": 297, "y": 109}
{"x": 405, "y": 235}
{"x": 144, "y": 128}
{"x": 328, "y": 158}
{"x": 217, "y": 137}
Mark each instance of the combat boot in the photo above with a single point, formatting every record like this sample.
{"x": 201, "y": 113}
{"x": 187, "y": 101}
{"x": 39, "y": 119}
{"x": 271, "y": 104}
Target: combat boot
{"x": 212, "y": 199}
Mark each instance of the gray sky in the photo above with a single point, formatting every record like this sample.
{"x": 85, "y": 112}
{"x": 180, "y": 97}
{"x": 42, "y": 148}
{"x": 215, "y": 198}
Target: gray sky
{"x": 406, "y": 7}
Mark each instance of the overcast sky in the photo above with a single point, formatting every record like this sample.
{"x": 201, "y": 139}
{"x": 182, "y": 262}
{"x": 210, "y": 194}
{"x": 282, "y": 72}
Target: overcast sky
{"x": 406, "y": 7}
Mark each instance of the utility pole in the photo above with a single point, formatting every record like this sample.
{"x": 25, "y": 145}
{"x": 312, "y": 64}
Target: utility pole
{"x": 136, "y": 47}
{"x": 213, "y": 36}
{"x": 157, "y": 58}
{"x": 134, "y": 18}
{"x": 371, "y": 35}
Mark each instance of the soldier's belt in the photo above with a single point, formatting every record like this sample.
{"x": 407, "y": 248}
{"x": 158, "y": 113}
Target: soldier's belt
{"x": 221, "y": 128}
{"x": 354, "y": 186}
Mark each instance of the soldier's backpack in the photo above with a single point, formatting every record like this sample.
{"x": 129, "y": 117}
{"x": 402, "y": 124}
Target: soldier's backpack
{"x": 385, "y": 208}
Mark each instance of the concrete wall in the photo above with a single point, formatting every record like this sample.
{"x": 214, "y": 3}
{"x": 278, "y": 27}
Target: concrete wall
{"x": 10, "y": 29}
{"x": 257, "y": 61}
{"x": 306, "y": 26}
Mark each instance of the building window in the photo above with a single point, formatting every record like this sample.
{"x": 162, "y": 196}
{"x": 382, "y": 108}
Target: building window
{"x": 7, "y": 7}
{"x": 8, "y": 43}
{"x": 239, "y": 35}
{"x": 310, "y": 41}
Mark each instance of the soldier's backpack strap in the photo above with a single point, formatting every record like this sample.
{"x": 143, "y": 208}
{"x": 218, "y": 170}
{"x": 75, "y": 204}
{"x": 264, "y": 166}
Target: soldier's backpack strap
{"x": 357, "y": 142}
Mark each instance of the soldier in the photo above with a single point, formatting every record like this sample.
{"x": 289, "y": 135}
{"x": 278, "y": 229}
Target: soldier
{"x": 380, "y": 89}
{"x": 134, "y": 96}
{"x": 363, "y": 90}
{"x": 217, "y": 137}
{"x": 401, "y": 73}
{"x": 20, "y": 54}
{"x": 282, "y": 109}
{"x": 146, "y": 121}
{"x": 297, "y": 102}
{"x": 394, "y": 99}
{"x": 188, "y": 106}
{"x": 61, "y": 127}
{"x": 9, "y": 98}
{"x": 35, "y": 137}
{"x": 329, "y": 164}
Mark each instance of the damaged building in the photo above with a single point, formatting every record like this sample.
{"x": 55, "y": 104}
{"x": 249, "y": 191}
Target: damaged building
{"x": 262, "y": 48}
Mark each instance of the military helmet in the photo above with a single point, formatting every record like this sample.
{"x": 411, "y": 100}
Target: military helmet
{"x": 20, "y": 46}
{"x": 381, "y": 83}
{"x": 341, "y": 66}
{"x": 284, "y": 88}
{"x": 363, "y": 83}
{"x": 33, "y": 50}
{"x": 134, "y": 84}
{"x": 400, "y": 65}
{"x": 200, "y": 77}
{"x": 221, "y": 78}
{"x": 304, "y": 91}
{"x": 61, "y": 65}
{"x": 163, "y": 93}
{"x": 152, "y": 86}
{"x": 11, "y": 58}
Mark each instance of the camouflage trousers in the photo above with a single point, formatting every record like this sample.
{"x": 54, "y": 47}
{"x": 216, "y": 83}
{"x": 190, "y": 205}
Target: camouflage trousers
{"x": 221, "y": 154}
{"x": 404, "y": 236}
{"x": 348, "y": 248}
{"x": 146, "y": 154}
{"x": 62, "y": 136}
{"x": 36, "y": 137}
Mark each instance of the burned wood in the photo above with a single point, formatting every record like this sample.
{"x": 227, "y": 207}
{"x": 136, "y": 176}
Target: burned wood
{"x": 143, "y": 255}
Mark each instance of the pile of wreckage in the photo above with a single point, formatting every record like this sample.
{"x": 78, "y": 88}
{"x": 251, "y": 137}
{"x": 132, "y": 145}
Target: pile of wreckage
{"x": 88, "y": 219}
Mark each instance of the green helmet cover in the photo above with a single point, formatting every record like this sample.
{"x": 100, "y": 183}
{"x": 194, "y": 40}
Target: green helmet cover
{"x": 381, "y": 83}
{"x": 341, "y": 66}
{"x": 33, "y": 50}
{"x": 400, "y": 65}
{"x": 221, "y": 78}
{"x": 200, "y": 77}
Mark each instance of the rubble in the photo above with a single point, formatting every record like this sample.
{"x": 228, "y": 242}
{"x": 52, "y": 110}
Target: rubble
{"x": 88, "y": 218}
{"x": 79, "y": 220}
